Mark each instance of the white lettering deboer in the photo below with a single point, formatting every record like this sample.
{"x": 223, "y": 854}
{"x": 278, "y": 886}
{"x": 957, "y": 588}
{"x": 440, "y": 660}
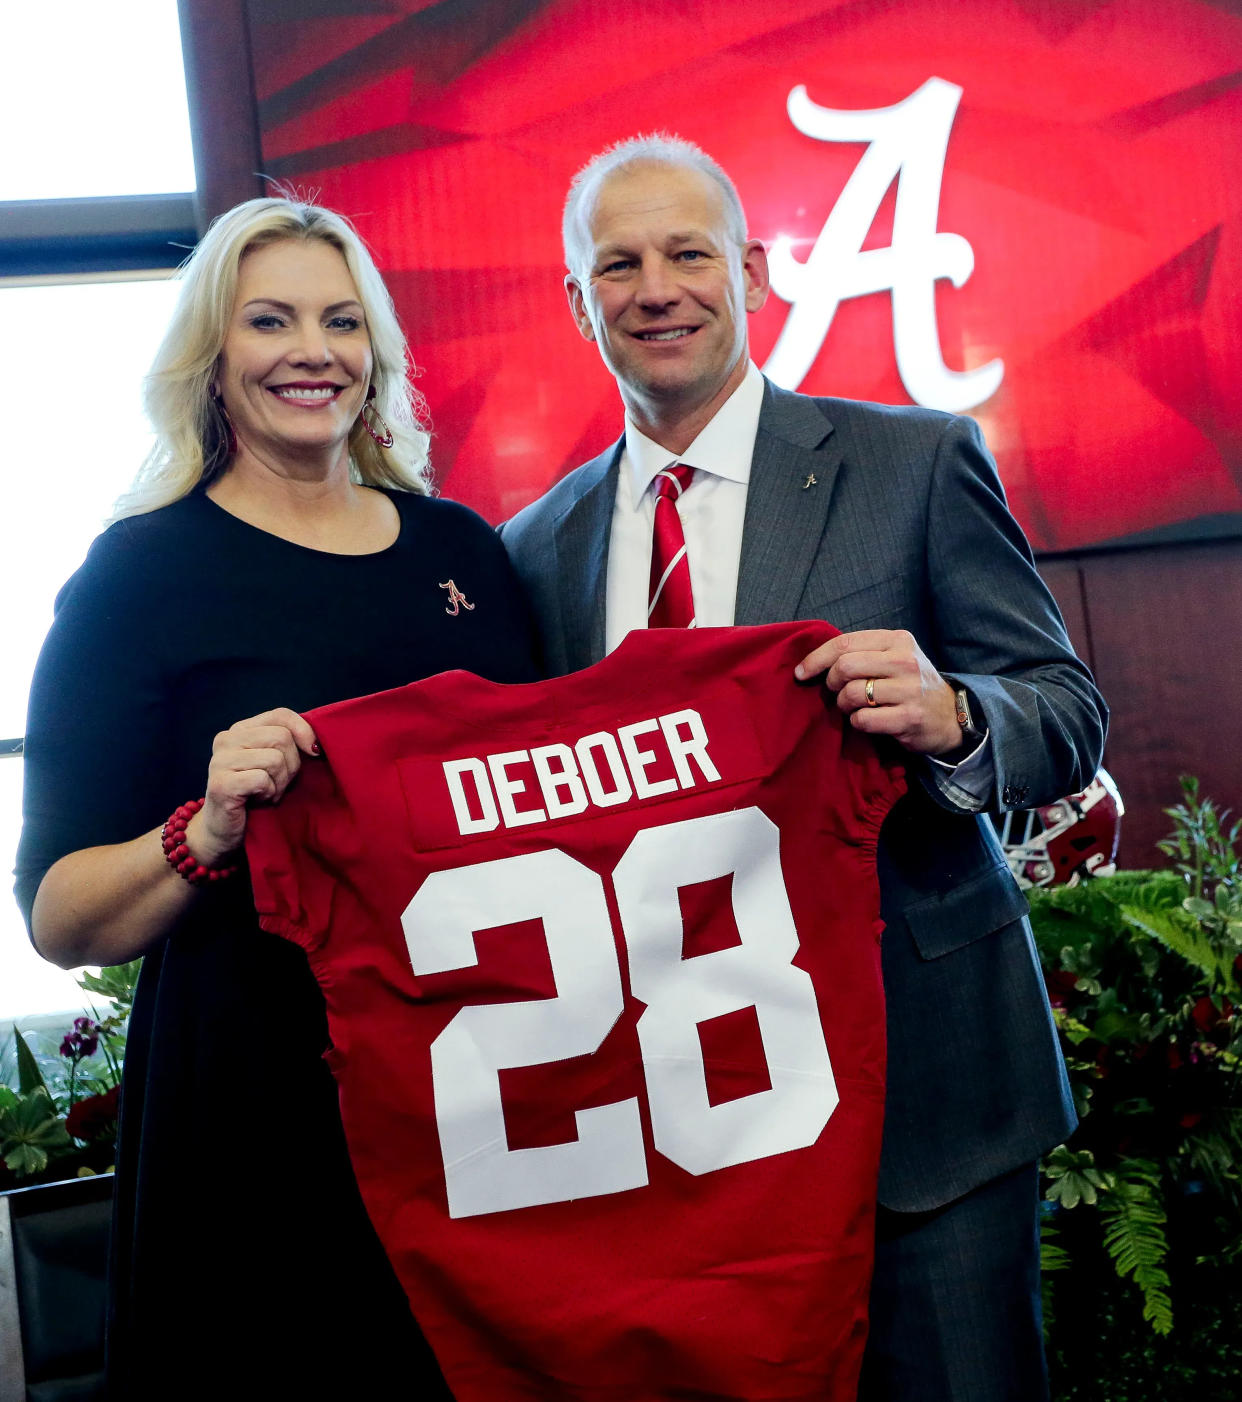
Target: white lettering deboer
{"x": 606, "y": 744}
{"x": 552, "y": 781}
{"x": 681, "y": 748}
{"x": 640, "y": 760}
{"x": 454, "y": 772}
{"x": 601, "y": 770}
{"x": 507, "y": 788}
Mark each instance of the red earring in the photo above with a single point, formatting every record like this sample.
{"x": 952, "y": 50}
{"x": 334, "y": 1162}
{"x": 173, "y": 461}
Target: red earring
{"x": 230, "y": 436}
{"x": 371, "y": 417}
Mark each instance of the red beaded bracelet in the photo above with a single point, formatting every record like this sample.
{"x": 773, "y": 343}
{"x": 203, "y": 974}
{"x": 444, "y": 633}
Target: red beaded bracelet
{"x": 178, "y": 855}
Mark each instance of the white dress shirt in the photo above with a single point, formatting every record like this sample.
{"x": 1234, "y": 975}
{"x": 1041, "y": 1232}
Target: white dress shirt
{"x": 712, "y": 510}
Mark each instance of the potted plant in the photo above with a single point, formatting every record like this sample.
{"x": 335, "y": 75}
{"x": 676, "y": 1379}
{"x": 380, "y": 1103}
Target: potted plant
{"x": 1143, "y": 1219}
{"x": 58, "y": 1108}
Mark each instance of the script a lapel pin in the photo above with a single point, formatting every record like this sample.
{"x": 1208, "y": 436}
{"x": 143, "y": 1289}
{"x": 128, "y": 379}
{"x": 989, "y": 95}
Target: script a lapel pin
{"x": 811, "y": 481}
{"x": 456, "y": 600}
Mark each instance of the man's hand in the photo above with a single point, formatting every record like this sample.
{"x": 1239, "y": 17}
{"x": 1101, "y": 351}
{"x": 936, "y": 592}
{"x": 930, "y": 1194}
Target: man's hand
{"x": 908, "y": 698}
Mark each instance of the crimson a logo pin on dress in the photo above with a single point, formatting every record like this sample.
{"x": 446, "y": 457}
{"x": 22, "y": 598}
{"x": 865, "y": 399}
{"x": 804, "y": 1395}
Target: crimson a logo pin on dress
{"x": 456, "y": 600}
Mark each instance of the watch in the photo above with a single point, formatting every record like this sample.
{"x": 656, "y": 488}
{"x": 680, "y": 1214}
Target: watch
{"x": 971, "y": 734}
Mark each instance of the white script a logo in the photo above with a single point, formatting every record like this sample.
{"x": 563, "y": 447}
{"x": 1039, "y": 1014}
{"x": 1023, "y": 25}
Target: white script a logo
{"x": 906, "y": 143}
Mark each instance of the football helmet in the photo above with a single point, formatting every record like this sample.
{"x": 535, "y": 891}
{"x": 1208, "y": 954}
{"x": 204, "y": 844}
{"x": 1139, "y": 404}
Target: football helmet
{"x": 1067, "y": 840}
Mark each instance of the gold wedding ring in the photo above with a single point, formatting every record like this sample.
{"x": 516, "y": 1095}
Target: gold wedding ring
{"x": 870, "y": 692}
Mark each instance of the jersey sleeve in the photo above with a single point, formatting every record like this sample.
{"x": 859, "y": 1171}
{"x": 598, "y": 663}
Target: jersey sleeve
{"x": 97, "y": 730}
{"x": 296, "y": 887}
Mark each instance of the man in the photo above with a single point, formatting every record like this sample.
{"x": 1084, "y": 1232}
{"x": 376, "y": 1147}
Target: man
{"x": 891, "y": 524}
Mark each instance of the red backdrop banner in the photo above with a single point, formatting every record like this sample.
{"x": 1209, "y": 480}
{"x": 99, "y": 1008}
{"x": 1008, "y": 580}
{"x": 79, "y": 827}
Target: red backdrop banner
{"x": 1027, "y": 211}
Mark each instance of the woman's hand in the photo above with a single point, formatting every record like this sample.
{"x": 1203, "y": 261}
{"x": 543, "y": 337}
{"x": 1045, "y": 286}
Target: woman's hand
{"x": 254, "y": 760}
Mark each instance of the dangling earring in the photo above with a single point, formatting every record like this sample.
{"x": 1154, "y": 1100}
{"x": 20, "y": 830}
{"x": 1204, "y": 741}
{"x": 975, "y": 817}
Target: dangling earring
{"x": 230, "y": 437}
{"x": 371, "y": 416}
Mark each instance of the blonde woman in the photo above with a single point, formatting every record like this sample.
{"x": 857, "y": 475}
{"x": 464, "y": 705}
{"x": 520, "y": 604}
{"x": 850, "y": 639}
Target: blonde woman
{"x": 278, "y": 551}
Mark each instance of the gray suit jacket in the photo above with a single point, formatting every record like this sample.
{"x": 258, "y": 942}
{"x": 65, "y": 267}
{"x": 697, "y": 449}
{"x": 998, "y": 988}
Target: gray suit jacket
{"x": 904, "y": 526}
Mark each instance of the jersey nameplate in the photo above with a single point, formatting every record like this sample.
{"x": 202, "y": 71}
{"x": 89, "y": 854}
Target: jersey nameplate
{"x": 609, "y": 768}
{"x": 602, "y": 769}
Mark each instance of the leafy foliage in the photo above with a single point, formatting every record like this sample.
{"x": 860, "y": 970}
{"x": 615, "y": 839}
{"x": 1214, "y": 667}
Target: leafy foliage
{"x": 1101, "y": 1349}
{"x": 1053, "y": 1257}
{"x": 1144, "y": 969}
{"x": 29, "y": 1077}
{"x": 1134, "y": 1236}
{"x": 116, "y": 983}
{"x": 1073, "y": 1177}
{"x": 58, "y": 1115}
{"x": 30, "y": 1130}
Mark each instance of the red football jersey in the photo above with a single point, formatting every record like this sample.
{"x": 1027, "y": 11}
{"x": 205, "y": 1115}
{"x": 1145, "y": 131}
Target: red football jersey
{"x": 601, "y": 964}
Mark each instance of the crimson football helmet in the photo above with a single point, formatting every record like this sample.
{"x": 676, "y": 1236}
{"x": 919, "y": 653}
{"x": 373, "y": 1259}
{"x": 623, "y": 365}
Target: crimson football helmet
{"x": 1066, "y": 840}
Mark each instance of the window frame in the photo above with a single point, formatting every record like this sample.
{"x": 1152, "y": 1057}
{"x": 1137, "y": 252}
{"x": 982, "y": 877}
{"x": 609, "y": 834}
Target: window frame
{"x": 120, "y": 237}
{"x": 100, "y": 234}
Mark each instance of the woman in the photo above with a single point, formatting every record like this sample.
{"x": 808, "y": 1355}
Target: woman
{"x": 279, "y": 551}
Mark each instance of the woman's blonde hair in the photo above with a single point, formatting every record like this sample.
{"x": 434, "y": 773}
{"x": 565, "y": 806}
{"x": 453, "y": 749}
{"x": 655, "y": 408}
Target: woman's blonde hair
{"x": 191, "y": 433}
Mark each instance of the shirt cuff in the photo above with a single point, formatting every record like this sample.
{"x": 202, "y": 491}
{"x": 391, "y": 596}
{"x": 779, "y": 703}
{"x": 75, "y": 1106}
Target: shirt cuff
{"x": 966, "y": 784}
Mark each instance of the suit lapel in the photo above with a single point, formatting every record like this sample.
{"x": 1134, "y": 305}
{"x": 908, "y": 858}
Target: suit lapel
{"x": 792, "y": 475}
{"x": 580, "y": 539}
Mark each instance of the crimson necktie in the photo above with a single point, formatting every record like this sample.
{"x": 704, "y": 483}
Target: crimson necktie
{"x": 670, "y": 599}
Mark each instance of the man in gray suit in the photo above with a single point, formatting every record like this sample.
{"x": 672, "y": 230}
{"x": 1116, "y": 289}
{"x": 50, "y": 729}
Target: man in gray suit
{"x": 891, "y": 524}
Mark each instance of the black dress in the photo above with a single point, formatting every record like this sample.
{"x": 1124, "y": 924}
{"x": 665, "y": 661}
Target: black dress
{"x": 243, "y": 1264}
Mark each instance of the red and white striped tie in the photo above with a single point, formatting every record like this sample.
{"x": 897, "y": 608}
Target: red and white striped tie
{"x": 670, "y": 599}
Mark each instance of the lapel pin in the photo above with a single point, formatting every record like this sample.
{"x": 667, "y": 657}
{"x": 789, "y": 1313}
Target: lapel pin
{"x": 456, "y": 600}
{"x": 811, "y": 481}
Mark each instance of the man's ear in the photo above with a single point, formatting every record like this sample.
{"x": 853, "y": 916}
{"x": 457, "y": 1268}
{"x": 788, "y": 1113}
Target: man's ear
{"x": 577, "y": 305}
{"x": 755, "y": 274}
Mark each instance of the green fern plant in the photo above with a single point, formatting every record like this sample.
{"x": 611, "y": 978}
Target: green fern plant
{"x": 1144, "y": 971}
{"x": 1132, "y": 1211}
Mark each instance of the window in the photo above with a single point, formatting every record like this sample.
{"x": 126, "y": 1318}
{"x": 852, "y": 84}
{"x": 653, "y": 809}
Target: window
{"x": 70, "y": 387}
{"x": 113, "y": 121}
{"x": 96, "y": 208}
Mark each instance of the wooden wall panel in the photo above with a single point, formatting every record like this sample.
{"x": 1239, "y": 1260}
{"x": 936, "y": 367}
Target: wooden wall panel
{"x": 1064, "y": 578}
{"x": 1165, "y": 631}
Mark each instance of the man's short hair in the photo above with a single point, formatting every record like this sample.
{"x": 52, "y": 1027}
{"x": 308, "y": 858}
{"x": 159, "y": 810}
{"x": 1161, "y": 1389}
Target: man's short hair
{"x": 659, "y": 148}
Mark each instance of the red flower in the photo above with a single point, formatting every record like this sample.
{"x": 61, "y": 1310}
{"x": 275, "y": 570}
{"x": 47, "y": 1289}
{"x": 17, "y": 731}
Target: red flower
{"x": 1211, "y": 1020}
{"x": 1190, "y": 1119}
{"x": 94, "y": 1117}
{"x": 1205, "y": 1015}
{"x": 1060, "y": 984}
